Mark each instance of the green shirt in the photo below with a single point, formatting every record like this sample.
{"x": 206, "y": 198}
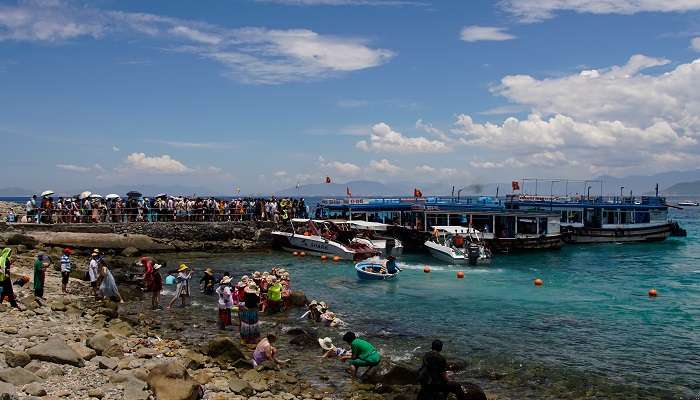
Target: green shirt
{"x": 38, "y": 274}
{"x": 363, "y": 350}
{"x": 274, "y": 292}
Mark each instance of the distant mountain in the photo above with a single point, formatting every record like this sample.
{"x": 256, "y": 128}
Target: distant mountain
{"x": 640, "y": 184}
{"x": 145, "y": 189}
{"x": 15, "y": 192}
{"x": 371, "y": 188}
{"x": 684, "y": 189}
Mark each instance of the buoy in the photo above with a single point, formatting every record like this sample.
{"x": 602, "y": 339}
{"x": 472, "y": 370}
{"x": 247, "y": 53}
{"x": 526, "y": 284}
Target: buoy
{"x": 324, "y": 258}
{"x": 302, "y": 254}
{"x": 296, "y": 253}
{"x": 426, "y": 269}
{"x": 460, "y": 274}
{"x": 336, "y": 258}
{"x": 652, "y": 293}
{"x": 538, "y": 282}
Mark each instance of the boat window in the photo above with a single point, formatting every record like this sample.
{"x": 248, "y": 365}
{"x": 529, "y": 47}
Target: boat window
{"x": 575, "y": 216}
{"x": 543, "y": 225}
{"x": 482, "y": 223}
{"x": 553, "y": 227}
{"x": 610, "y": 217}
{"x": 458, "y": 220}
{"x": 358, "y": 216}
{"x": 564, "y": 216}
{"x": 527, "y": 226}
{"x": 659, "y": 215}
{"x": 625, "y": 217}
{"x": 641, "y": 217}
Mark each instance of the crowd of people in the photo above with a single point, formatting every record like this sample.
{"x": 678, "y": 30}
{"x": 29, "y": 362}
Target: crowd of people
{"x": 162, "y": 208}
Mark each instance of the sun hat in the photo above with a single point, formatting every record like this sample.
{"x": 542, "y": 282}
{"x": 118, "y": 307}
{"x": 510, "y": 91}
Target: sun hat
{"x": 313, "y": 303}
{"x": 252, "y": 288}
{"x": 323, "y": 304}
{"x": 182, "y": 268}
{"x": 256, "y": 274}
{"x": 67, "y": 251}
{"x": 336, "y": 322}
{"x": 94, "y": 254}
{"x": 245, "y": 278}
{"x": 326, "y": 344}
{"x": 96, "y": 251}
{"x": 225, "y": 280}
{"x": 209, "y": 271}
{"x": 157, "y": 266}
{"x": 265, "y": 273}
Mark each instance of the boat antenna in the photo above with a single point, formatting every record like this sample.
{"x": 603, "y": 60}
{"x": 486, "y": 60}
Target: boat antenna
{"x": 657, "y": 190}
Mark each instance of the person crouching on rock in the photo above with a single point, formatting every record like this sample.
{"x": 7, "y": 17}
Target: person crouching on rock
{"x": 330, "y": 351}
{"x": 363, "y": 354}
{"x": 156, "y": 287}
{"x": 264, "y": 351}
{"x": 6, "y": 289}
{"x": 225, "y": 302}
{"x": 432, "y": 375}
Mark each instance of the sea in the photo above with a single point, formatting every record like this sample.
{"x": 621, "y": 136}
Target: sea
{"x": 591, "y": 331}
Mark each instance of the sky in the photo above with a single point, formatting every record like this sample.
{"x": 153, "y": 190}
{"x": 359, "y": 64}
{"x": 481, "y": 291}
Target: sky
{"x": 264, "y": 94}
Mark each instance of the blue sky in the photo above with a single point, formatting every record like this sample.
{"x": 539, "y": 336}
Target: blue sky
{"x": 264, "y": 94}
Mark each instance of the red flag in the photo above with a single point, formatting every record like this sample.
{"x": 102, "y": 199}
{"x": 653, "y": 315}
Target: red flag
{"x": 417, "y": 193}
{"x": 515, "y": 185}
{"x": 347, "y": 190}
{"x": 328, "y": 179}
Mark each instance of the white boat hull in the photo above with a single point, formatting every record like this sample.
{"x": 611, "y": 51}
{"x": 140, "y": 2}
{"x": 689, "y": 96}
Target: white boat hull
{"x": 380, "y": 245}
{"x": 450, "y": 255}
{"x": 316, "y": 245}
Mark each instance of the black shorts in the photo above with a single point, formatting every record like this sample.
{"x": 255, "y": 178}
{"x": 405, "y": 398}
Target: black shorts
{"x": 93, "y": 284}
{"x": 64, "y": 277}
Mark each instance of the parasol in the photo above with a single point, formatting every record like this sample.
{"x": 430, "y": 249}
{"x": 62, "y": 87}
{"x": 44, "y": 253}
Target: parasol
{"x": 46, "y": 193}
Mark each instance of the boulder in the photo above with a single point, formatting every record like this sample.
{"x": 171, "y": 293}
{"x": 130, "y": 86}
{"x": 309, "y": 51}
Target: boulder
{"x": 7, "y": 390}
{"x": 298, "y": 298}
{"x": 473, "y": 391}
{"x": 18, "y": 238}
{"x": 34, "y": 389}
{"x": 240, "y": 387}
{"x": 171, "y": 381}
{"x": 113, "y": 350}
{"x": 389, "y": 373}
{"x": 18, "y": 376}
{"x": 56, "y": 350}
{"x": 105, "y": 362}
{"x": 83, "y": 351}
{"x": 130, "y": 252}
{"x": 57, "y": 305}
{"x": 121, "y": 328}
{"x": 17, "y": 358}
{"x": 223, "y": 349}
{"x": 255, "y": 380}
{"x": 193, "y": 359}
{"x": 100, "y": 341}
{"x": 305, "y": 340}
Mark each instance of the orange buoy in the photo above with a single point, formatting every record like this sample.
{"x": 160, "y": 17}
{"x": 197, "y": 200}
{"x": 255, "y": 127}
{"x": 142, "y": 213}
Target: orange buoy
{"x": 460, "y": 274}
{"x": 296, "y": 253}
{"x": 336, "y": 258}
{"x": 324, "y": 258}
{"x": 426, "y": 269}
{"x": 302, "y": 254}
{"x": 652, "y": 292}
{"x": 539, "y": 282}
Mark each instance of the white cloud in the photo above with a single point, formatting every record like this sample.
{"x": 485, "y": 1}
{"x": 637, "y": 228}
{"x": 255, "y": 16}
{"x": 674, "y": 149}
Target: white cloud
{"x": 163, "y": 164}
{"x": 115, "y": 149}
{"x": 342, "y": 168}
{"x": 213, "y": 169}
{"x": 695, "y": 44}
{"x": 73, "y": 168}
{"x": 426, "y": 169}
{"x": 194, "y": 145}
{"x": 249, "y": 54}
{"x": 280, "y": 174}
{"x": 476, "y": 33}
{"x": 342, "y": 2}
{"x": 535, "y": 11}
{"x": 384, "y": 139}
{"x": 383, "y": 166}
{"x": 546, "y": 159}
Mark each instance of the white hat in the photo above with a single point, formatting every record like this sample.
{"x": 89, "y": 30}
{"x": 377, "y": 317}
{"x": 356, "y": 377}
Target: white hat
{"x": 157, "y": 267}
{"x": 225, "y": 280}
{"x": 326, "y": 344}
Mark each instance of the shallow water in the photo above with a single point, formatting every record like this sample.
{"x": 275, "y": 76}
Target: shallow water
{"x": 590, "y": 331}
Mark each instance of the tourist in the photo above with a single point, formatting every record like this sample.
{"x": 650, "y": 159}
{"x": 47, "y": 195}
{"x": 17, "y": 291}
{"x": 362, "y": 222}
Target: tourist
{"x": 274, "y": 296}
{"x": 432, "y": 375}
{"x": 94, "y": 272}
{"x": 170, "y": 279}
{"x": 11, "y": 217}
{"x": 249, "y": 326}
{"x": 240, "y": 289}
{"x": 330, "y": 350}
{"x": 206, "y": 284}
{"x": 363, "y": 354}
{"x": 40, "y": 265}
{"x": 156, "y": 287}
{"x": 314, "y": 312}
{"x": 264, "y": 351}
{"x": 225, "y": 302}
{"x": 108, "y": 286}
{"x": 391, "y": 267}
{"x": 5, "y": 278}
{"x": 182, "y": 291}
{"x": 66, "y": 267}
{"x": 147, "y": 265}
{"x": 30, "y": 207}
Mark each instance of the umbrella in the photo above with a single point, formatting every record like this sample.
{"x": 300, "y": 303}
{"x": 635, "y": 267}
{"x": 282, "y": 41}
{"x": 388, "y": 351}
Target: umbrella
{"x": 161, "y": 195}
{"x": 46, "y": 193}
{"x": 95, "y": 196}
{"x": 112, "y": 196}
{"x": 133, "y": 193}
{"x": 85, "y": 195}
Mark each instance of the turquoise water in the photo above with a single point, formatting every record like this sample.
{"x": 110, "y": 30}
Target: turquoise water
{"x": 590, "y": 331}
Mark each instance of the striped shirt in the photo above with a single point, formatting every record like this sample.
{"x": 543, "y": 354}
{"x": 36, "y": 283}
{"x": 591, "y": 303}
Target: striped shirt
{"x": 65, "y": 263}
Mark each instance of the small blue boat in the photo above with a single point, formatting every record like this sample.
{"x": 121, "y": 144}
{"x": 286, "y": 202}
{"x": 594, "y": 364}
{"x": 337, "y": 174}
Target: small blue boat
{"x": 370, "y": 271}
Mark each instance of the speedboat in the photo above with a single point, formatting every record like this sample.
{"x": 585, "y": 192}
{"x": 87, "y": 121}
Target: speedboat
{"x": 688, "y": 203}
{"x": 374, "y": 234}
{"x": 458, "y": 245}
{"x": 373, "y": 271}
{"x": 320, "y": 237}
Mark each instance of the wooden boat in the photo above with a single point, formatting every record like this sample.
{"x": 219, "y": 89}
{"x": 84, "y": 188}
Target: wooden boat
{"x": 369, "y": 271}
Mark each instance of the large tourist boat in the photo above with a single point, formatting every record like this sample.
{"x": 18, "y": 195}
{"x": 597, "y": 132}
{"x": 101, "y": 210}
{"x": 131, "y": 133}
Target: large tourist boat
{"x": 601, "y": 219}
{"x": 412, "y": 220}
{"x": 458, "y": 245}
{"x": 322, "y": 238}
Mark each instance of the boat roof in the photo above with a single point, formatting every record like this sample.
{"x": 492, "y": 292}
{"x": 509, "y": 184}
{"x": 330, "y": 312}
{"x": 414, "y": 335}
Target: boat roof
{"x": 375, "y": 226}
{"x": 304, "y": 220}
{"x": 453, "y": 230}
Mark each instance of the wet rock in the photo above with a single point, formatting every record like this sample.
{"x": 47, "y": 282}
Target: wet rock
{"x": 130, "y": 252}
{"x": 56, "y": 350}
{"x": 100, "y": 341}
{"x": 224, "y": 349}
{"x": 389, "y": 373}
{"x": 298, "y": 298}
{"x": 18, "y": 376}
{"x": 305, "y": 340}
{"x": 171, "y": 381}
{"x": 105, "y": 362}
{"x": 267, "y": 365}
{"x": 34, "y": 389}
{"x": 17, "y": 358}
{"x": 473, "y": 391}
{"x": 84, "y": 352}
{"x": 193, "y": 359}
{"x": 456, "y": 364}
{"x": 239, "y": 386}
{"x": 7, "y": 390}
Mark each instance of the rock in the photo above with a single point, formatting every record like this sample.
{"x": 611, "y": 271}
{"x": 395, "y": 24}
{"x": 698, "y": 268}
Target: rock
{"x": 18, "y": 238}
{"x": 49, "y": 370}
{"x": 105, "y": 362}
{"x": 7, "y": 390}
{"x": 17, "y": 358}
{"x": 57, "y": 305}
{"x": 130, "y": 252}
{"x": 456, "y": 364}
{"x": 121, "y": 328}
{"x": 100, "y": 341}
{"x": 34, "y": 366}
{"x": 473, "y": 391}
{"x": 392, "y": 374}
{"x": 203, "y": 377}
{"x": 297, "y": 298}
{"x": 267, "y": 365}
{"x": 255, "y": 380}
{"x": 10, "y": 330}
{"x": 96, "y": 393}
{"x": 224, "y": 349}
{"x": 18, "y": 376}
{"x": 135, "y": 389}
{"x": 306, "y": 340}
{"x": 34, "y": 389}
{"x": 84, "y": 352}
{"x": 114, "y": 350}
{"x": 171, "y": 381}
{"x": 140, "y": 374}
{"x": 56, "y": 350}
{"x": 239, "y": 386}
{"x": 146, "y": 352}
{"x": 194, "y": 360}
